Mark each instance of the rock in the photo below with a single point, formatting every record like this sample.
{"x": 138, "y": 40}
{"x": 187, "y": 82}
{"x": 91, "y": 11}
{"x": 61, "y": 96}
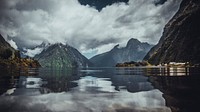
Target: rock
{"x": 181, "y": 37}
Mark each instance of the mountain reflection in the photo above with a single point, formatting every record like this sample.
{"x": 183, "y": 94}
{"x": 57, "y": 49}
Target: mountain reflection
{"x": 101, "y": 89}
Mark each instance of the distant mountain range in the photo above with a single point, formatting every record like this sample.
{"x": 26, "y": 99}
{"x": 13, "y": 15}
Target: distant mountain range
{"x": 60, "y": 56}
{"x": 134, "y": 51}
{"x": 180, "y": 41}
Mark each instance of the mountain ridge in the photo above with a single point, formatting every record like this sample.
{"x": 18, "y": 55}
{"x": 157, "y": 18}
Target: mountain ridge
{"x": 133, "y": 51}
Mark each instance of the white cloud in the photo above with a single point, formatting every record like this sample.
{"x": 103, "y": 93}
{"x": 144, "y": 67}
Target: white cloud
{"x": 13, "y": 44}
{"x": 83, "y": 27}
{"x": 105, "y": 48}
{"x": 33, "y": 52}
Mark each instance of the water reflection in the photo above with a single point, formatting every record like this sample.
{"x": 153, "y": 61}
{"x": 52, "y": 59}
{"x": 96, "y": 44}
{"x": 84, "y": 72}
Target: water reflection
{"x": 179, "y": 85}
{"x": 100, "y": 90}
{"x": 30, "y": 82}
{"x": 132, "y": 83}
{"x": 27, "y": 85}
{"x": 169, "y": 71}
{"x": 92, "y": 95}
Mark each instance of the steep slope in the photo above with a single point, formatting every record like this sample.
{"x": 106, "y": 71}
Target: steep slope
{"x": 10, "y": 58}
{"x": 134, "y": 51}
{"x": 6, "y": 51}
{"x": 59, "y": 56}
{"x": 181, "y": 37}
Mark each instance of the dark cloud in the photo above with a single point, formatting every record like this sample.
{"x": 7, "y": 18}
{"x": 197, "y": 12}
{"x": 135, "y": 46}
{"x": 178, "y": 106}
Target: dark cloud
{"x": 30, "y": 22}
{"x": 159, "y": 2}
{"x": 99, "y": 4}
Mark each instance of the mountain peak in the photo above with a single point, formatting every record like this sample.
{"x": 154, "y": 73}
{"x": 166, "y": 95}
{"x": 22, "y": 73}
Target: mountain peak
{"x": 58, "y": 45}
{"x": 134, "y": 51}
{"x": 4, "y": 43}
{"x": 133, "y": 42}
{"x": 59, "y": 55}
{"x": 116, "y": 46}
{"x": 44, "y": 44}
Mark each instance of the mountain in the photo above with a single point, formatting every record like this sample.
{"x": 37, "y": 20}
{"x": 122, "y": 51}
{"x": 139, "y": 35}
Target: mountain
{"x": 134, "y": 51}
{"x": 6, "y": 51}
{"x": 10, "y": 58}
{"x": 59, "y": 56}
{"x": 181, "y": 37}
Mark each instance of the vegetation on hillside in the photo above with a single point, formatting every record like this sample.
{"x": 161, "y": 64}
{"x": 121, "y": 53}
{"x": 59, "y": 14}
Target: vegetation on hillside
{"x": 11, "y": 59}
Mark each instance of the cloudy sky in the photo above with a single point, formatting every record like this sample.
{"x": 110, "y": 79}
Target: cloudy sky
{"x": 91, "y": 26}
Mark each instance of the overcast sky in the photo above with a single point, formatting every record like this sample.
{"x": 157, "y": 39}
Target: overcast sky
{"x": 27, "y": 23}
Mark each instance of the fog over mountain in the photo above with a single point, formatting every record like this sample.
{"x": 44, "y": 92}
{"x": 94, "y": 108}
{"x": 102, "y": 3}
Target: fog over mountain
{"x": 92, "y": 27}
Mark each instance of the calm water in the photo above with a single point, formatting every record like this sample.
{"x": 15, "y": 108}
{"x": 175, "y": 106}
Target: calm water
{"x": 101, "y": 90}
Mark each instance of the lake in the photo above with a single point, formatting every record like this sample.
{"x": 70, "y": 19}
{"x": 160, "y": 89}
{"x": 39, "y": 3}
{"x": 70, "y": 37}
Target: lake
{"x": 139, "y": 89}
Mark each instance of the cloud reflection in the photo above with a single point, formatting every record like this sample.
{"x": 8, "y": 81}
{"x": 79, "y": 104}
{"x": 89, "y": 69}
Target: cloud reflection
{"x": 92, "y": 95}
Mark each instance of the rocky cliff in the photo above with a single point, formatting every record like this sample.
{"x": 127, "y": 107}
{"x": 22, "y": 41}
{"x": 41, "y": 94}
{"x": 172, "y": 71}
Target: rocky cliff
{"x": 181, "y": 37}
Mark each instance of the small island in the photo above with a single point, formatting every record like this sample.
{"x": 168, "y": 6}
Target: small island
{"x": 146, "y": 63}
{"x": 133, "y": 64}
